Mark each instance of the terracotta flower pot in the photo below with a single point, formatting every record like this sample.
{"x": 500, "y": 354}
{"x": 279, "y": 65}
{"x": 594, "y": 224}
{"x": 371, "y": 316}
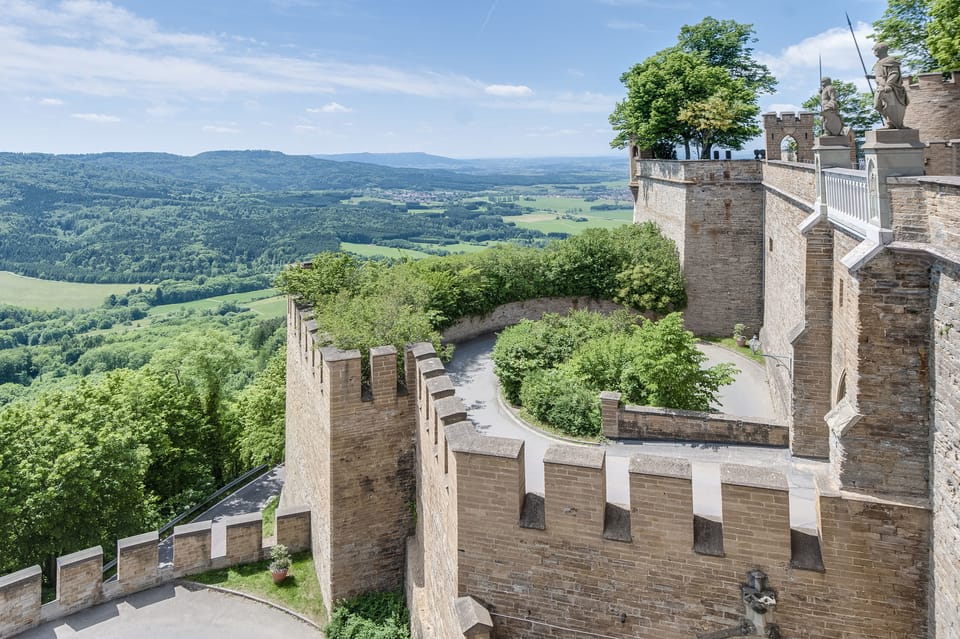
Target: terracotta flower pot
{"x": 278, "y": 575}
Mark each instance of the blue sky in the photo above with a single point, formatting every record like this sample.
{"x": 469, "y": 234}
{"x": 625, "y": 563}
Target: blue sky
{"x": 468, "y": 79}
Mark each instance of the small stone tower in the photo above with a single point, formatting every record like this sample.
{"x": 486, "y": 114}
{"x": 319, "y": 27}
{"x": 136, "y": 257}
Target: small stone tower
{"x": 799, "y": 126}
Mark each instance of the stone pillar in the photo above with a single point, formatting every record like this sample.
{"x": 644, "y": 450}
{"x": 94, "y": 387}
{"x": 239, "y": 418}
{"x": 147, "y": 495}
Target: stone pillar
{"x": 829, "y": 152}
{"x": 889, "y": 153}
{"x": 610, "y": 413}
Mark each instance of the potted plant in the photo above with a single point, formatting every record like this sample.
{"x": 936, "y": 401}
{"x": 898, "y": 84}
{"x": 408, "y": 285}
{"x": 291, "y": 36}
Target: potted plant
{"x": 279, "y": 563}
{"x": 739, "y": 335}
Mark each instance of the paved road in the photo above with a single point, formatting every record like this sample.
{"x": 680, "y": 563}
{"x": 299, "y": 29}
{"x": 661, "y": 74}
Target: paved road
{"x": 180, "y": 613}
{"x": 472, "y": 372}
{"x": 251, "y": 498}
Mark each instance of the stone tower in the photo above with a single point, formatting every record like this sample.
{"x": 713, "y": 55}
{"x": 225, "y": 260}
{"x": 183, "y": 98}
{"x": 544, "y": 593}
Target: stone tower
{"x": 799, "y": 126}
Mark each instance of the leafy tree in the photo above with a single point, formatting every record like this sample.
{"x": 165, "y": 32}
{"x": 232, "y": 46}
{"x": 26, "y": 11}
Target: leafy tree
{"x": 703, "y": 90}
{"x": 726, "y": 43}
{"x": 557, "y": 397}
{"x": 904, "y": 26}
{"x": 925, "y": 32}
{"x": 260, "y": 410}
{"x": 943, "y": 33}
{"x": 661, "y": 87}
{"x": 856, "y": 109}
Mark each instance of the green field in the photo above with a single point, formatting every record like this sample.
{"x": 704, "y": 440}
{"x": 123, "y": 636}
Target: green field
{"x": 30, "y": 292}
{"x": 554, "y": 223}
{"x": 576, "y": 205}
{"x": 267, "y": 302}
{"x": 371, "y": 250}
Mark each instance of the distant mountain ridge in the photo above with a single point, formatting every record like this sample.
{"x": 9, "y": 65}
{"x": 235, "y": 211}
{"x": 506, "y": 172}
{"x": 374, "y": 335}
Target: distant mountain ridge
{"x": 486, "y": 166}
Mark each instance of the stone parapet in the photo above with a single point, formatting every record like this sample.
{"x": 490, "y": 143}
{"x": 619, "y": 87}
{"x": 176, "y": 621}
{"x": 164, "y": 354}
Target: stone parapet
{"x": 668, "y": 424}
{"x": 19, "y": 601}
{"x": 79, "y": 577}
{"x": 192, "y": 548}
{"x": 244, "y": 535}
{"x": 293, "y": 527}
{"x": 138, "y": 561}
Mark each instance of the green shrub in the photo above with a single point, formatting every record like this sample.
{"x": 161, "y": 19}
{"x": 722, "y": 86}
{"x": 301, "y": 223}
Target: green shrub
{"x": 557, "y": 397}
{"x": 378, "y": 615}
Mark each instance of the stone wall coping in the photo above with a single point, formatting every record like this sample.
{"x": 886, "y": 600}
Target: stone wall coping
{"x": 470, "y": 614}
{"x": 663, "y": 466}
{"x": 704, "y": 415}
{"x": 942, "y": 180}
{"x": 17, "y": 578}
{"x": 803, "y": 166}
{"x": 440, "y": 385}
{"x": 753, "y": 477}
{"x": 310, "y": 325}
{"x": 611, "y": 395}
{"x": 246, "y": 519}
{"x": 422, "y": 349}
{"x": 292, "y": 511}
{"x": 450, "y": 408}
{"x": 381, "y": 351}
{"x": 196, "y": 528}
{"x": 935, "y": 251}
{"x": 143, "y": 539}
{"x": 80, "y": 556}
{"x": 333, "y": 354}
{"x": 431, "y": 367}
{"x": 582, "y": 456}
{"x": 463, "y": 438}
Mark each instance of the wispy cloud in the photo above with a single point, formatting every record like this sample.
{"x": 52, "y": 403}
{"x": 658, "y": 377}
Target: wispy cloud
{"x": 96, "y": 48}
{"x": 564, "y": 102}
{"x": 486, "y": 20}
{"x": 101, "y": 118}
{"x": 508, "y": 90}
{"x": 51, "y": 102}
{"x": 796, "y": 66}
{"x": 330, "y": 107}
{"x": 220, "y": 129}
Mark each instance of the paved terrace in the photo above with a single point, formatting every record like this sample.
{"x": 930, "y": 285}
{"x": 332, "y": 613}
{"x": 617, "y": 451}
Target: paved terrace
{"x": 471, "y": 371}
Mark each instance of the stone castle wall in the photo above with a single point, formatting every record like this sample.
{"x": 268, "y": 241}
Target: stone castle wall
{"x": 934, "y": 105}
{"x": 569, "y": 560}
{"x": 350, "y": 460}
{"x": 79, "y": 575}
{"x": 710, "y": 209}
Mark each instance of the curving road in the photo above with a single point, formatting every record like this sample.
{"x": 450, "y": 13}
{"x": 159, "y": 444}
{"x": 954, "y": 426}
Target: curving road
{"x": 471, "y": 371}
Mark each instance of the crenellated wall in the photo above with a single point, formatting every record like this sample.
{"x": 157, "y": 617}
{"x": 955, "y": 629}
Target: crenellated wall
{"x": 80, "y": 575}
{"x": 547, "y": 565}
{"x": 350, "y": 455}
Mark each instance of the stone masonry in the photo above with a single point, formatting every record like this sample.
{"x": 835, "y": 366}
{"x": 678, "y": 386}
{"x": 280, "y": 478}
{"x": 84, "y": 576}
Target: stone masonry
{"x": 711, "y": 210}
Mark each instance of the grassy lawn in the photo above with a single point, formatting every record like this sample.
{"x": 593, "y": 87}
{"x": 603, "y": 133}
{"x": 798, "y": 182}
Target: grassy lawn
{"x": 30, "y": 292}
{"x": 270, "y": 516}
{"x": 299, "y": 592}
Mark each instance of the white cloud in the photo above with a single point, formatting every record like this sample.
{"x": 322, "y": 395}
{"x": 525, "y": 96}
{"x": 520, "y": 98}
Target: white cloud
{"x": 782, "y": 107}
{"x": 797, "y": 66}
{"x": 51, "y": 102}
{"x": 96, "y": 48}
{"x": 331, "y": 107}
{"x": 96, "y": 117}
{"x": 508, "y": 90}
{"x": 220, "y": 129}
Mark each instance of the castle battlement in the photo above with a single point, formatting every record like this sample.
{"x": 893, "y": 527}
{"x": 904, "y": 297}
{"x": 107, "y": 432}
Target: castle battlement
{"x": 941, "y": 81}
{"x": 79, "y": 575}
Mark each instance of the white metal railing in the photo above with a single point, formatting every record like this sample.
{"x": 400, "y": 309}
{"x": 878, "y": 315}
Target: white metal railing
{"x": 845, "y": 194}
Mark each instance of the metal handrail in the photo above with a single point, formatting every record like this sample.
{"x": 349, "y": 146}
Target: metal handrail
{"x": 200, "y": 504}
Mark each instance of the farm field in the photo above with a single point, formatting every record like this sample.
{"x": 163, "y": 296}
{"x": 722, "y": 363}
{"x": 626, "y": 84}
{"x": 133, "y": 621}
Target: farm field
{"x": 557, "y": 223}
{"x": 371, "y": 250}
{"x": 30, "y": 292}
{"x": 267, "y": 302}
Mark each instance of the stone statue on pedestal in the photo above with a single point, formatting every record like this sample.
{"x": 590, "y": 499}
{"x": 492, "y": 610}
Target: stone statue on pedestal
{"x": 829, "y": 111}
{"x": 891, "y": 99}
